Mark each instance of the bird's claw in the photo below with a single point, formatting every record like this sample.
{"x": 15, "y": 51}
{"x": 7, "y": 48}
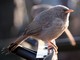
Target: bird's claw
{"x": 53, "y": 46}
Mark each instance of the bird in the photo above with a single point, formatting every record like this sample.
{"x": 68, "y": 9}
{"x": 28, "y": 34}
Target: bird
{"x": 46, "y": 26}
{"x": 36, "y": 9}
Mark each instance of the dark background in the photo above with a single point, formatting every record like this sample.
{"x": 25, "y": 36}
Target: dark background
{"x": 9, "y": 30}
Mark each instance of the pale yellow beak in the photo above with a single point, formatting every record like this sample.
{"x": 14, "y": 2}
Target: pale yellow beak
{"x": 69, "y": 11}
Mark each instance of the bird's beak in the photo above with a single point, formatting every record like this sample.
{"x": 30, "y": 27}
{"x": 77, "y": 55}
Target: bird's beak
{"x": 69, "y": 11}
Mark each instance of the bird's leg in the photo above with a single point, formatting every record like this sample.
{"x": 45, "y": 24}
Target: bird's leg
{"x": 52, "y": 45}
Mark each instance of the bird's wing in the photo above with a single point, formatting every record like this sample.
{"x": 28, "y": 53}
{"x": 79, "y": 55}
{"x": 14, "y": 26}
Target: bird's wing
{"x": 56, "y": 23}
{"x": 33, "y": 28}
{"x": 54, "y": 30}
{"x": 36, "y": 25}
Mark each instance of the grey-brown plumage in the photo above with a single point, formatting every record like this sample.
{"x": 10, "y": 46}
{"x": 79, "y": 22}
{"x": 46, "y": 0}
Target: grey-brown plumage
{"x": 36, "y": 9}
{"x": 47, "y": 25}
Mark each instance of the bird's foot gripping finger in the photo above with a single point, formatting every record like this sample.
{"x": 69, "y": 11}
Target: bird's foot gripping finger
{"x": 51, "y": 46}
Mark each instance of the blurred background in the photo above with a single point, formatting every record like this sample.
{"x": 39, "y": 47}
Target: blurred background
{"x": 15, "y": 15}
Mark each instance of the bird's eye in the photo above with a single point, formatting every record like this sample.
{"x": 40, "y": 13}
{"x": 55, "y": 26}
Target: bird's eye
{"x": 65, "y": 10}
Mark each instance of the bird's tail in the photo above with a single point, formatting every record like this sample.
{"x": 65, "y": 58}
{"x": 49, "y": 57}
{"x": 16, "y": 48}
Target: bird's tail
{"x": 18, "y": 41}
{"x": 14, "y": 45}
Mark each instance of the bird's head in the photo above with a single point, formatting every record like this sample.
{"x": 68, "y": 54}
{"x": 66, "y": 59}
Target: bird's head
{"x": 62, "y": 11}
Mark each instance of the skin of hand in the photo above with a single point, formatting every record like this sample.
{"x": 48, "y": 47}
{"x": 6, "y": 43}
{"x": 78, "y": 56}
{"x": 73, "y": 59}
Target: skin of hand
{"x": 71, "y": 38}
{"x": 46, "y": 26}
{"x": 36, "y": 9}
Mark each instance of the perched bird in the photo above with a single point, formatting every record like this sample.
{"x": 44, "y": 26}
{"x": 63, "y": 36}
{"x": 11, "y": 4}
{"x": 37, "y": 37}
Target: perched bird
{"x": 46, "y": 26}
{"x": 36, "y": 9}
